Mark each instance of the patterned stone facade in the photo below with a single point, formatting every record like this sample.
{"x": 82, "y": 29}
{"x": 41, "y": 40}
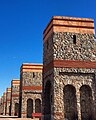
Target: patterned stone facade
{"x": 1, "y": 105}
{"x": 8, "y": 98}
{"x": 69, "y": 75}
{"x": 4, "y": 102}
{"x": 30, "y": 90}
{"x": 15, "y": 87}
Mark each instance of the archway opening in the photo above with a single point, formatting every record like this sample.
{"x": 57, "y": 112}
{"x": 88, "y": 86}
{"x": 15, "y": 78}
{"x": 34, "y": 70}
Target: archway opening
{"x": 16, "y": 109}
{"x": 47, "y": 101}
{"x": 29, "y": 108}
{"x": 86, "y": 102}
{"x": 70, "y": 103}
{"x": 37, "y": 106}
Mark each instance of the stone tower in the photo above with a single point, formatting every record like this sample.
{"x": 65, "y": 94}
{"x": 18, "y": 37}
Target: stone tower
{"x": 15, "y": 86}
{"x": 1, "y": 105}
{"x": 8, "y": 99}
{"x": 30, "y": 90}
{"x": 69, "y": 73}
{"x": 4, "y": 102}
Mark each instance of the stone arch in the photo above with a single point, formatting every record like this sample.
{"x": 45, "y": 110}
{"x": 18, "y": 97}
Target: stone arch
{"x": 16, "y": 109}
{"x": 70, "y": 103}
{"x": 29, "y": 108}
{"x": 47, "y": 101}
{"x": 86, "y": 102}
{"x": 37, "y": 106}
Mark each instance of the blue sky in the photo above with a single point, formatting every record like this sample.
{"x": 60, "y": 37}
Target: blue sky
{"x": 21, "y": 30}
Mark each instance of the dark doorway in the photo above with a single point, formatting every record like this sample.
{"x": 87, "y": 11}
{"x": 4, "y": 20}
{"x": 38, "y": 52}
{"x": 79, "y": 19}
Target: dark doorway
{"x": 70, "y": 103}
{"x": 29, "y": 108}
{"x": 37, "y": 106}
{"x": 47, "y": 100}
{"x": 86, "y": 102}
{"x": 16, "y": 109}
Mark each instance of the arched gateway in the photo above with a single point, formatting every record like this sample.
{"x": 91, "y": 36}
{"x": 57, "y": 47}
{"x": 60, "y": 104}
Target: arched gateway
{"x": 86, "y": 103}
{"x": 29, "y": 108}
{"x": 70, "y": 103}
{"x": 16, "y": 109}
{"x": 37, "y": 106}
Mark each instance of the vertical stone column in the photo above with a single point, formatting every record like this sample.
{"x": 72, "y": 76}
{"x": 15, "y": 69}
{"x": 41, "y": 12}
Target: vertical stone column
{"x": 8, "y": 99}
{"x": 24, "y": 107}
{"x": 58, "y": 113}
{"x": 33, "y": 107}
{"x": 12, "y": 109}
{"x": 58, "y": 102}
{"x": 78, "y": 104}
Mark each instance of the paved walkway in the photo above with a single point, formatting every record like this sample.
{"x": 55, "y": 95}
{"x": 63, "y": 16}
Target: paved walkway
{"x": 13, "y": 118}
{"x": 16, "y": 119}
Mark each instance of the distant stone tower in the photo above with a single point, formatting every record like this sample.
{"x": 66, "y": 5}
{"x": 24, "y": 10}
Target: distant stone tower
{"x": 15, "y": 87}
{"x": 30, "y": 90}
{"x": 69, "y": 74}
{"x": 8, "y": 98}
{"x": 1, "y": 105}
{"x": 4, "y": 102}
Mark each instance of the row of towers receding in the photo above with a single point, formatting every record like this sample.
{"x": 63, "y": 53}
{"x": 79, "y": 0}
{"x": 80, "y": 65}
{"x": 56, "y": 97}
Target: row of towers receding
{"x": 64, "y": 87}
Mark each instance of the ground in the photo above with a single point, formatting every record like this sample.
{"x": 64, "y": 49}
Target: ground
{"x": 14, "y": 118}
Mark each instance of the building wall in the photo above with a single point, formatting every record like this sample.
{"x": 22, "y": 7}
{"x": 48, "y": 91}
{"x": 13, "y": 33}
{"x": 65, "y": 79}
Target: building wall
{"x": 8, "y": 99}
{"x": 69, "y": 69}
{"x": 15, "y": 86}
{"x": 4, "y": 102}
{"x": 1, "y": 106}
{"x": 30, "y": 88}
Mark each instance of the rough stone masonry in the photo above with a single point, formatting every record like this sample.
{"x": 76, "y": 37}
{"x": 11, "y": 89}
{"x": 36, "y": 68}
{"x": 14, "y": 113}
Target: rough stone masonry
{"x": 4, "y": 103}
{"x": 8, "y": 99}
{"x": 69, "y": 73}
{"x": 30, "y": 90}
{"x": 14, "y": 103}
{"x": 1, "y": 105}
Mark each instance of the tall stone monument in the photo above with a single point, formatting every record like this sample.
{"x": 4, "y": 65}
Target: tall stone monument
{"x": 30, "y": 90}
{"x": 15, "y": 87}
{"x": 4, "y": 102}
{"x": 69, "y": 74}
{"x": 8, "y": 99}
{"x": 1, "y": 105}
